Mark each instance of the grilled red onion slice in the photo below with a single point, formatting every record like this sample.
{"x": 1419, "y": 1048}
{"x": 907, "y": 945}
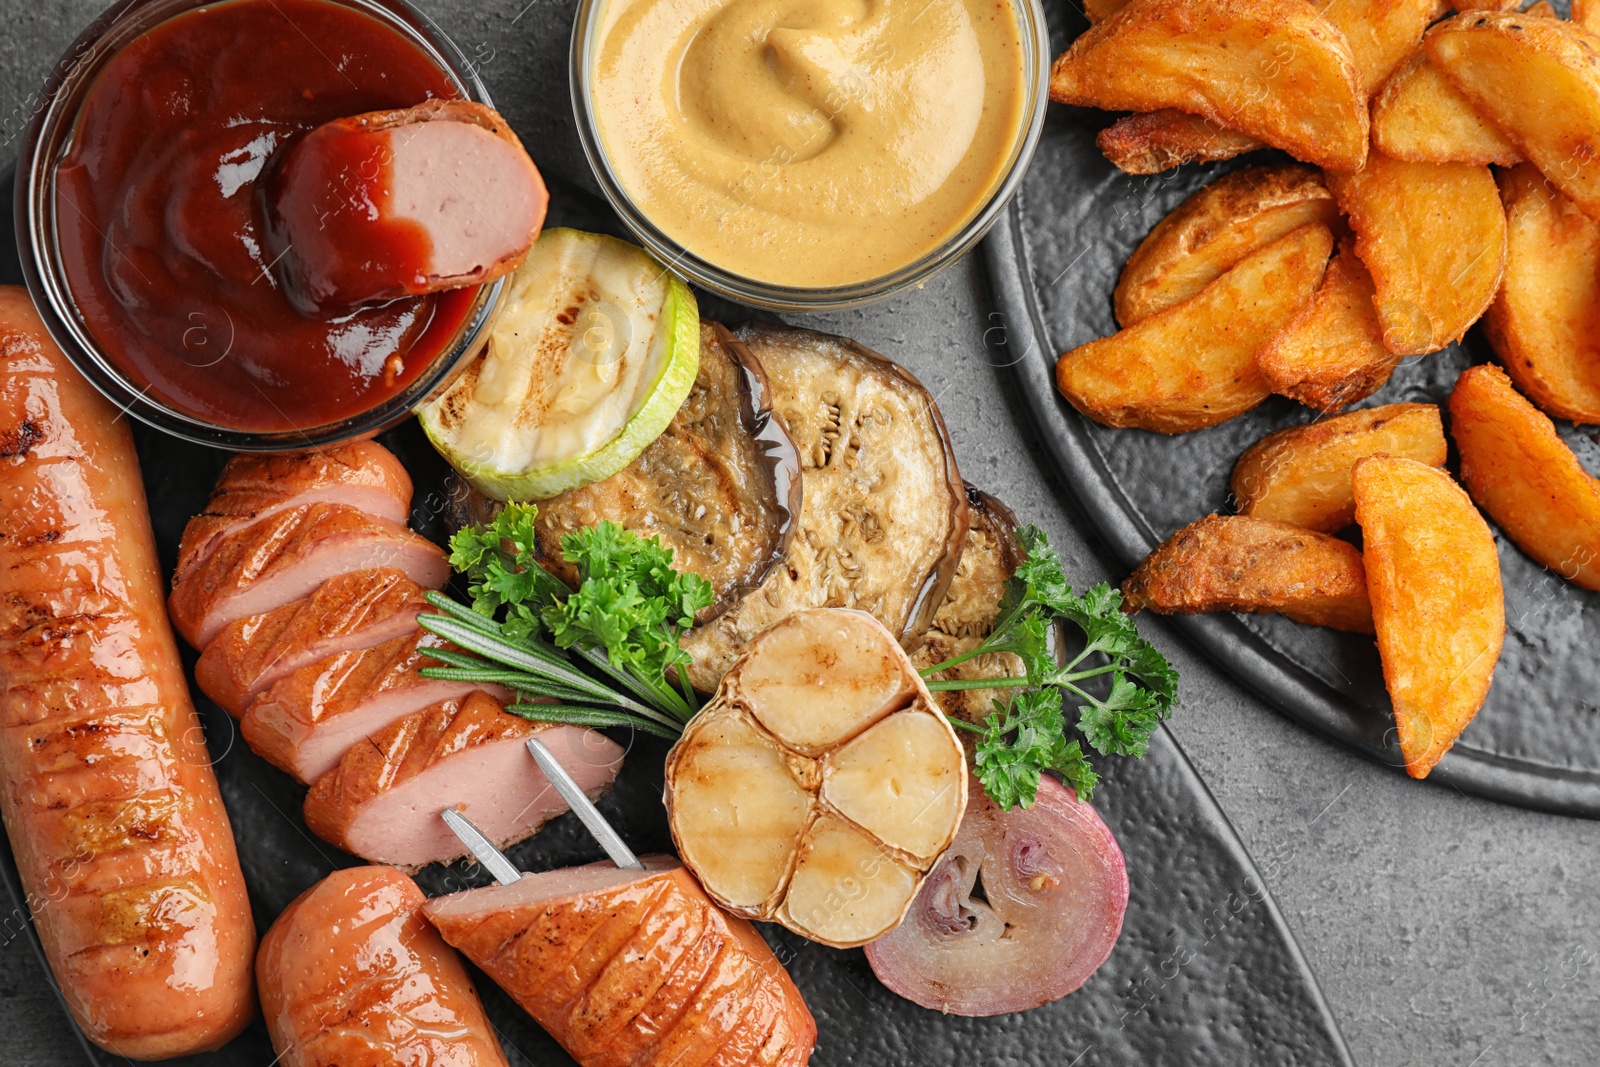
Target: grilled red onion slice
{"x": 1020, "y": 911}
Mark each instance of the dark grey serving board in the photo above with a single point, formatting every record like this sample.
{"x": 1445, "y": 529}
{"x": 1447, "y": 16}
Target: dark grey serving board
{"x": 1053, "y": 261}
{"x": 1206, "y": 972}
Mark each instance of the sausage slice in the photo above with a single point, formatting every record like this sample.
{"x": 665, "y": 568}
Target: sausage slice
{"x": 106, "y": 786}
{"x": 399, "y": 203}
{"x": 308, "y": 720}
{"x": 352, "y": 975}
{"x": 382, "y": 802}
{"x": 362, "y": 474}
{"x": 348, "y": 612}
{"x": 286, "y": 556}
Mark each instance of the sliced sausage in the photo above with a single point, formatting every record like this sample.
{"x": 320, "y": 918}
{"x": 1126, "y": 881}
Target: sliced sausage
{"x": 362, "y": 474}
{"x": 106, "y": 787}
{"x": 307, "y": 721}
{"x": 352, "y": 975}
{"x": 630, "y": 968}
{"x": 382, "y": 802}
{"x": 348, "y": 612}
{"x": 285, "y": 557}
{"x": 399, "y": 203}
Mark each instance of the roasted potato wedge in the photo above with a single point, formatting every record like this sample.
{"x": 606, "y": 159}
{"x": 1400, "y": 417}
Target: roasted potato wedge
{"x": 1538, "y": 80}
{"x": 1420, "y": 116}
{"x": 1382, "y": 33}
{"x": 1274, "y": 70}
{"x": 1160, "y": 140}
{"x": 1434, "y": 580}
{"x": 1434, "y": 237}
{"x": 1100, "y": 10}
{"x": 1379, "y": 32}
{"x": 1331, "y": 354}
{"x": 1545, "y": 323}
{"x": 1522, "y": 473}
{"x": 1241, "y": 563}
{"x": 1542, "y": 9}
{"x": 1209, "y": 233}
{"x": 1586, "y": 13}
{"x": 1301, "y": 475}
{"x": 1193, "y": 365}
{"x": 1485, "y": 5}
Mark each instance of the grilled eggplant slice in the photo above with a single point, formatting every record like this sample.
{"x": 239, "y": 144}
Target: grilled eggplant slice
{"x": 884, "y": 514}
{"x": 968, "y": 612}
{"x": 720, "y": 486}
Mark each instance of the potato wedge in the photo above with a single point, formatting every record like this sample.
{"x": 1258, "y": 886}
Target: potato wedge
{"x": 1100, "y": 10}
{"x": 1209, "y": 233}
{"x": 1524, "y": 476}
{"x": 1422, "y": 117}
{"x": 1545, "y": 323}
{"x": 1274, "y": 70}
{"x": 1193, "y": 365}
{"x": 1485, "y": 5}
{"x": 1434, "y": 580}
{"x": 1301, "y": 475}
{"x": 1434, "y": 237}
{"x": 1538, "y": 80}
{"x": 1382, "y": 33}
{"x": 1160, "y": 140}
{"x": 1542, "y": 9}
{"x": 1331, "y": 354}
{"x": 1379, "y": 32}
{"x": 1586, "y": 13}
{"x": 1240, "y": 563}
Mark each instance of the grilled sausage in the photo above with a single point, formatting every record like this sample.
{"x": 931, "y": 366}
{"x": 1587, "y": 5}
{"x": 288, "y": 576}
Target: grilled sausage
{"x": 352, "y": 975}
{"x": 629, "y": 968}
{"x": 108, "y": 795}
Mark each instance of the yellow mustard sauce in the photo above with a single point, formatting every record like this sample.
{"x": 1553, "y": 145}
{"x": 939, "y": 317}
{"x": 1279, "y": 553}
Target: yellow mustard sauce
{"x": 809, "y": 143}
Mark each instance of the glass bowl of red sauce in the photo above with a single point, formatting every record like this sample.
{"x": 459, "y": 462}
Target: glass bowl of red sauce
{"x": 142, "y": 221}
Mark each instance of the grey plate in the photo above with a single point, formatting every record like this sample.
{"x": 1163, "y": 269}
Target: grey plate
{"x": 1053, "y": 261}
{"x": 1206, "y": 972}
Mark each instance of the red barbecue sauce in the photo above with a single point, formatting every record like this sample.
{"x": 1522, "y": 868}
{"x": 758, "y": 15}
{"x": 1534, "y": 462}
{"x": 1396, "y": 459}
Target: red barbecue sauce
{"x": 162, "y": 208}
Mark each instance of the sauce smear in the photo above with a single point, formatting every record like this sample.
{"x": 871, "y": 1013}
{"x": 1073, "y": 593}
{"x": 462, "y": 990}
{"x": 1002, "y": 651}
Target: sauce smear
{"x": 162, "y": 215}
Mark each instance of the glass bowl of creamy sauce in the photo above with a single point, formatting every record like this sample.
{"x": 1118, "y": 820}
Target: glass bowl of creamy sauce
{"x": 807, "y": 154}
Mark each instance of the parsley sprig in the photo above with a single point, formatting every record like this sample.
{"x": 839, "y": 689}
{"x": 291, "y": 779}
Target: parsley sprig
{"x": 1025, "y": 735}
{"x": 601, "y": 652}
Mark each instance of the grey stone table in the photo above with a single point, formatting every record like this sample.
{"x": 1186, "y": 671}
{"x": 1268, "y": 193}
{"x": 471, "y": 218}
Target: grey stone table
{"x": 1444, "y": 929}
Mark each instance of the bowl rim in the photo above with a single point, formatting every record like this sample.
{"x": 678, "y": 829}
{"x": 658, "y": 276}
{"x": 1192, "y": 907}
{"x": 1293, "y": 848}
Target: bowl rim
{"x": 1035, "y": 37}
{"x": 55, "y": 111}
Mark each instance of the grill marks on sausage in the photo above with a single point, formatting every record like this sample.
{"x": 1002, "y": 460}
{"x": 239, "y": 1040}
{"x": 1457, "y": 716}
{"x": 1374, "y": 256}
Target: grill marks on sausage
{"x": 16, "y": 443}
{"x": 348, "y": 612}
{"x": 642, "y": 972}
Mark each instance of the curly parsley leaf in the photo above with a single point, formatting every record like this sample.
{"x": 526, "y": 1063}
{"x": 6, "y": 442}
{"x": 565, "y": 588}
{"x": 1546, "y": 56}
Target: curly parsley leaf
{"x": 500, "y": 562}
{"x": 629, "y": 602}
{"x": 1023, "y": 738}
{"x": 1027, "y": 735}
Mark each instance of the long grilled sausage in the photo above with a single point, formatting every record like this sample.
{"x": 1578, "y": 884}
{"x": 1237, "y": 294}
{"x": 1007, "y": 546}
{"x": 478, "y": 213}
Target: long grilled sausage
{"x": 105, "y": 783}
{"x": 352, "y": 975}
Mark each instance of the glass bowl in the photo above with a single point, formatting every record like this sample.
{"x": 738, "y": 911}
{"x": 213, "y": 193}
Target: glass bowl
{"x": 47, "y": 141}
{"x": 1036, "y": 83}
